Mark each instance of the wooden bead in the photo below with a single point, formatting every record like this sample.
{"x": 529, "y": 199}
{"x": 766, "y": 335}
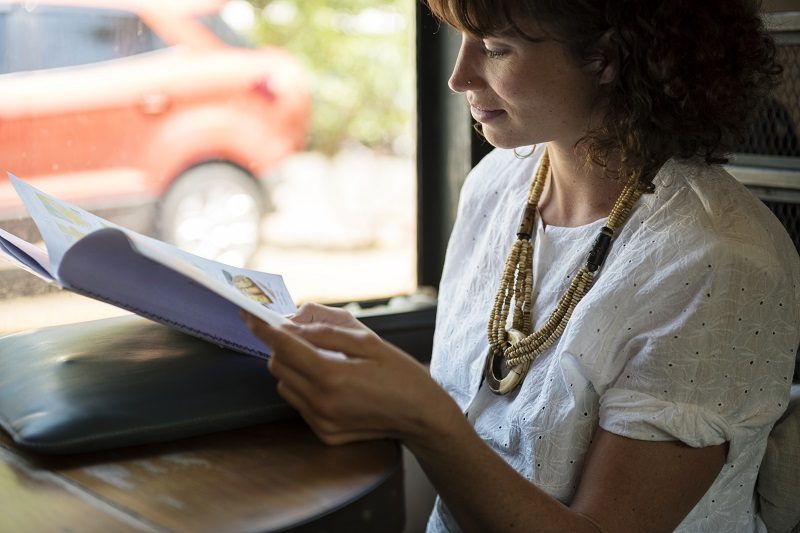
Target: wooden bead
{"x": 513, "y": 346}
{"x": 526, "y": 222}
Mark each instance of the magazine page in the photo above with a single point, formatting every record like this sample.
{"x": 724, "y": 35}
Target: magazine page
{"x": 99, "y": 259}
{"x": 263, "y": 295}
{"x": 60, "y": 224}
{"x": 106, "y": 266}
{"x": 25, "y": 255}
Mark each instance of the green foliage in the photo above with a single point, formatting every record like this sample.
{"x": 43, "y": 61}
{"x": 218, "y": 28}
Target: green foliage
{"x": 359, "y": 56}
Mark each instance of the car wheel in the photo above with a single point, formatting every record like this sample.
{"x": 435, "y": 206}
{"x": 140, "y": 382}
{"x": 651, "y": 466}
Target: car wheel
{"x": 214, "y": 210}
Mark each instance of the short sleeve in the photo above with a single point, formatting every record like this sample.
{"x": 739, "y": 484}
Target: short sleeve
{"x": 710, "y": 348}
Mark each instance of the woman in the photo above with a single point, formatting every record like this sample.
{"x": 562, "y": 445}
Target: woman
{"x": 632, "y": 390}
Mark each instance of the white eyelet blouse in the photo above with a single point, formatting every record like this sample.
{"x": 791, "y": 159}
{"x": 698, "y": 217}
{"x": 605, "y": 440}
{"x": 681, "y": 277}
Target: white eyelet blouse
{"x": 688, "y": 334}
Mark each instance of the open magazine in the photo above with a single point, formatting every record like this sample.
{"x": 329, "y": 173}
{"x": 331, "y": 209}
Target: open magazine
{"x": 96, "y": 258}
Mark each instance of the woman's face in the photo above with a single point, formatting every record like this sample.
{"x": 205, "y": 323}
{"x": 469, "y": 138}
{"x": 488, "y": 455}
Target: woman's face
{"x": 525, "y": 92}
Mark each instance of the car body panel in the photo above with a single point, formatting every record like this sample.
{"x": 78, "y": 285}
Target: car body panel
{"x": 120, "y": 131}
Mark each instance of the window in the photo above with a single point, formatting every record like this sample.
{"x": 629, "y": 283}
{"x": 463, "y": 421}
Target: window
{"x": 275, "y": 134}
{"x": 55, "y": 37}
{"x": 768, "y": 161}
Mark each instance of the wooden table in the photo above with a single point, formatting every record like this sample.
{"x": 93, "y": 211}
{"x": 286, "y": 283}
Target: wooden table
{"x": 272, "y": 477}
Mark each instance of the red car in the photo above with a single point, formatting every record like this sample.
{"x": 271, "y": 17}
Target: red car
{"x": 114, "y": 104}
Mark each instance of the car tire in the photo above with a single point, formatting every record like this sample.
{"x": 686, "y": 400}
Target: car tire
{"x": 214, "y": 210}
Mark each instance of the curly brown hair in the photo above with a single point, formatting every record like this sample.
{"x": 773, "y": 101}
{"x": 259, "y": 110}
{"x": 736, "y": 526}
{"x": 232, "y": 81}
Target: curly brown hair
{"x": 691, "y": 72}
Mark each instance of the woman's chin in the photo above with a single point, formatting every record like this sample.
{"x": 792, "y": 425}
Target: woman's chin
{"x": 505, "y": 142}
{"x": 502, "y": 138}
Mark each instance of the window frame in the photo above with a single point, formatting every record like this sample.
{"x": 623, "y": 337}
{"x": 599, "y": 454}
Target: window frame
{"x": 447, "y": 145}
{"x": 447, "y": 149}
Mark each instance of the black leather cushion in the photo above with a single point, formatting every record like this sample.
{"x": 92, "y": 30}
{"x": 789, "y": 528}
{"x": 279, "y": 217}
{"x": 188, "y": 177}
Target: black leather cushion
{"x": 124, "y": 381}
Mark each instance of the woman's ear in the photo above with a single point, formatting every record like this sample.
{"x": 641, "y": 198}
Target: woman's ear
{"x": 607, "y": 65}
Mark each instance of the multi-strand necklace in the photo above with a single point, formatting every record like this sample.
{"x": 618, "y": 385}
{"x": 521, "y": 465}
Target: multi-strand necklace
{"x": 517, "y": 347}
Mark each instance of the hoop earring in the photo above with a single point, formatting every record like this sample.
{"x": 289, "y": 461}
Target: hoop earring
{"x": 478, "y": 127}
{"x": 524, "y": 156}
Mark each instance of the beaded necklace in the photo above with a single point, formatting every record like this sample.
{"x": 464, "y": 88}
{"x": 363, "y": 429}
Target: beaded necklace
{"x": 517, "y": 347}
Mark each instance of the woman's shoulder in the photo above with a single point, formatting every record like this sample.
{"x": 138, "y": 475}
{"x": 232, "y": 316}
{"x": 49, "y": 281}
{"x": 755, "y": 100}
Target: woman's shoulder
{"x": 704, "y": 202}
{"x": 703, "y": 226}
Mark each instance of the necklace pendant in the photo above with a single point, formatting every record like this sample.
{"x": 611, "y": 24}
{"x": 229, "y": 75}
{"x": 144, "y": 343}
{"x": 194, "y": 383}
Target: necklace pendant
{"x": 499, "y": 377}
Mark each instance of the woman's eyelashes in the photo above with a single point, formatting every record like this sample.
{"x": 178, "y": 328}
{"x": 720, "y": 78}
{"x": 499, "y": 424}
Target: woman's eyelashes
{"x": 492, "y": 53}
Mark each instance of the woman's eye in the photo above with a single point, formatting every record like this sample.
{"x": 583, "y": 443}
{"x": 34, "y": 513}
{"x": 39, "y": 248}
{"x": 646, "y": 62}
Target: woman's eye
{"x": 492, "y": 53}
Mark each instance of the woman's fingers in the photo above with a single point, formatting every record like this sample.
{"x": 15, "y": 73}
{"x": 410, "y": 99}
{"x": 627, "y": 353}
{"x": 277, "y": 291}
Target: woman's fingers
{"x": 312, "y": 312}
{"x": 342, "y": 397}
{"x": 323, "y": 334}
{"x": 288, "y": 350}
{"x": 331, "y": 431}
{"x": 361, "y": 342}
{"x": 294, "y": 398}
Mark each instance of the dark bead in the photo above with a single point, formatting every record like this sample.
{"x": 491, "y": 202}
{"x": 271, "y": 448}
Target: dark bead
{"x": 597, "y": 255}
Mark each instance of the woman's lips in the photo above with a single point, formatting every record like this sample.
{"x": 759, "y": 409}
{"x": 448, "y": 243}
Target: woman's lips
{"x": 485, "y": 115}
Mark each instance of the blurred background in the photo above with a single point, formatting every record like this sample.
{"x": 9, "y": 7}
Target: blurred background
{"x": 274, "y": 134}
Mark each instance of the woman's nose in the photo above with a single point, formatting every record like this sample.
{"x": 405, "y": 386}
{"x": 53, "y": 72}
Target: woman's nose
{"x": 463, "y": 78}
{"x": 459, "y": 82}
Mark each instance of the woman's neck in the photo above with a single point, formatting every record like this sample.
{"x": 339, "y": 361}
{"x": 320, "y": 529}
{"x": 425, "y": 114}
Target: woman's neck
{"x": 576, "y": 193}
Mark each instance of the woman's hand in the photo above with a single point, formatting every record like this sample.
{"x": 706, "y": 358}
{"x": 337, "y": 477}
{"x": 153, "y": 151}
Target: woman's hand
{"x": 350, "y": 385}
{"x": 346, "y": 382}
{"x": 310, "y": 313}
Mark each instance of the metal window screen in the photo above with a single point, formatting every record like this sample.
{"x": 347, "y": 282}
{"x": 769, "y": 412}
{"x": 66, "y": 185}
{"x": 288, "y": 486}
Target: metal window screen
{"x": 774, "y": 131}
